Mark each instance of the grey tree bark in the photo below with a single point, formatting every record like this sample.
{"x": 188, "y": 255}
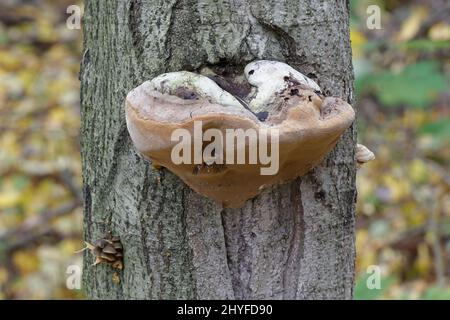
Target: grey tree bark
{"x": 294, "y": 241}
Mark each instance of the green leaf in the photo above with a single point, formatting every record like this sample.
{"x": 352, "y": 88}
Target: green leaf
{"x": 21, "y": 181}
{"x": 3, "y": 38}
{"x": 437, "y": 293}
{"x": 416, "y": 85}
{"x": 439, "y": 129}
{"x": 425, "y": 45}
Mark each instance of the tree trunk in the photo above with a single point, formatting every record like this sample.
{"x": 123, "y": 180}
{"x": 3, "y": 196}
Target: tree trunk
{"x": 294, "y": 241}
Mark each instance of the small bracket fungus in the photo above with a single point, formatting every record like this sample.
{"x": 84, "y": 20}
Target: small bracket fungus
{"x": 230, "y": 148}
{"x": 363, "y": 155}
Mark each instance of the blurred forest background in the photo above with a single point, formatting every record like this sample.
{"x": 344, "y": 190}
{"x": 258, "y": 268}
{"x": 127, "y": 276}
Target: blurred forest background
{"x": 402, "y": 85}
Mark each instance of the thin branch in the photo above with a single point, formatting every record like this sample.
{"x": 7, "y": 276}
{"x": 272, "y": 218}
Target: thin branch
{"x": 35, "y": 222}
{"x": 48, "y": 236}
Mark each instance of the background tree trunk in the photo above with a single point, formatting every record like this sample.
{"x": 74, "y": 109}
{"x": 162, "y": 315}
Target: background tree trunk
{"x": 295, "y": 241}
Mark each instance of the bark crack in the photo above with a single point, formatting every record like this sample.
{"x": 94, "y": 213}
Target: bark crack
{"x": 134, "y": 21}
{"x": 227, "y": 247}
{"x": 143, "y": 233}
{"x": 296, "y": 246}
{"x": 168, "y": 41}
{"x": 111, "y": 175}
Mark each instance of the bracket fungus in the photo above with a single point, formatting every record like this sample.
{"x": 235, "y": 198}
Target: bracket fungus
{"x": 218, "y": 144}
{"x": 363, "y": 155}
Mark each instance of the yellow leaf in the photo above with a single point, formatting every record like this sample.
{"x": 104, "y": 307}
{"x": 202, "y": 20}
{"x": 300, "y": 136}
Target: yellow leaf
{"x": 3, "y": 276}
{"x": 45, "y": 30}
{"x": 440, "y": 31}
{"x": 26, "y": 262}
{"x": 418, "y": 170}
{"x": 413, "y": 214}
{"x": 423, "y": 262}
{"x": 398, "y": 187}
{"x": 9, "y": 61}
{"x": 411, "y": 26}
{"x": 9, "y": 199}
{"x": 358, "y": 40}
